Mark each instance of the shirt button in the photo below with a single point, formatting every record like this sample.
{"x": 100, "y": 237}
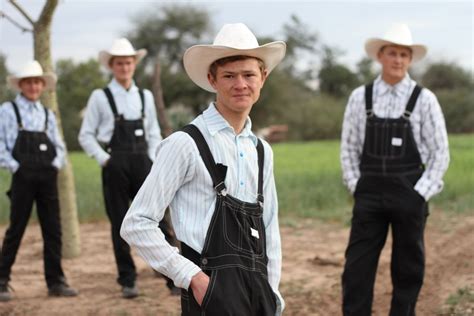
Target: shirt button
{"x": 241, "y": 182}
{"x": 241, "y": 154}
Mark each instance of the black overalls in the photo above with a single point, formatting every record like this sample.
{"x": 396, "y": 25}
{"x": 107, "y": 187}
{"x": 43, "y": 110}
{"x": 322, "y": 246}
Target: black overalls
{"x": 122, "y": 177}
{"x": 385, "y": 195}
{"x": 35, "y": 180}
{"x": 234, "y": 253}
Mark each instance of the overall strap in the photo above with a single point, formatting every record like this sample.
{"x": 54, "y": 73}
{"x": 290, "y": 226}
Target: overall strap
{"x": 142, "y": 98}
{"x": 261, "y": 159}
{"x": 46, "y": 112}
{"x": 368, "y": 98}
{"x": 111, "y": 100}
{"x": 412, "y": 101}
{"x": 17, "y": 114}
{"x": 217, "y": 171}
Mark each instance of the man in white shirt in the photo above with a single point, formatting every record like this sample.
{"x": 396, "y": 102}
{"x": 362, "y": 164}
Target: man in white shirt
{"x": 120, "y": 130}
{"x": 33, "y": 151}
{"x": 218, "y": 179}
{"x": 394, "y": 153}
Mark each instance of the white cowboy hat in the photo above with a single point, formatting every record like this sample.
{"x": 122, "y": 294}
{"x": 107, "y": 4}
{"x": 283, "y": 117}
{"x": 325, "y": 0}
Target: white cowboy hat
{"x": 232, "y": 40}
{"x": 397, "y": 34}
{"x": 32, "y": 69}
{"x": 120, "y": 47}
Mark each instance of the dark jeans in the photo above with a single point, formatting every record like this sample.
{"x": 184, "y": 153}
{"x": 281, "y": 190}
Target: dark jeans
{"x": 379, "y": 203}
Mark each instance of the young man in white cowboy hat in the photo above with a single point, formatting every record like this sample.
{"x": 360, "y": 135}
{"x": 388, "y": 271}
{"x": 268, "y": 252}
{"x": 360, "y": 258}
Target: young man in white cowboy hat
{"x": 120, "y": 130}
{"x": 217, "y": 177}
{"x": 33, "y": 151}
{"x": 394, "y": 153}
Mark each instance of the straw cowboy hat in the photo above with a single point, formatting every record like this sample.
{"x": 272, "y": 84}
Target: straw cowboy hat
{"x": 397, "y": 34}
{"x": 32, "y": 69}
{"x": 232, "y": 40}
{"x": 120, "y": 47}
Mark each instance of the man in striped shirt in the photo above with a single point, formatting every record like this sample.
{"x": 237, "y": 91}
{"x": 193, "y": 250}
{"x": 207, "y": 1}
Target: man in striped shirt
{"x": 218, "y": 179}
{"x": 394, "y": 153}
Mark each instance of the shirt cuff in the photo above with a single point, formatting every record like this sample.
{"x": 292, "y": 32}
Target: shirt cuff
{"x": 102, "y": 158}
{"x": 57, "y": 163}
{"x": 184, "y": 275}
{"x": 352, "y": 185}
{"x": 422, "y": 190}
{"x": 14, "y": 166}
{"x": 280, "y": 304}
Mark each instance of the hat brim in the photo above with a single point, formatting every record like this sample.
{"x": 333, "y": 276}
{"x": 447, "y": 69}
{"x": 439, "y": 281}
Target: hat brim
{"x": 197, "y": 59}
{"x": 105, "y": 56}
{"x": 49, "y": 79}
{"x": 373, "y": 46}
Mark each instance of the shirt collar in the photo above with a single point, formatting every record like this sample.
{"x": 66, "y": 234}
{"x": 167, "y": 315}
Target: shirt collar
{"x": 215, "y": 123}
{"x": 23, "y": 102}
{"x": 116, "y": 87}
{"x": 398, "y": 89}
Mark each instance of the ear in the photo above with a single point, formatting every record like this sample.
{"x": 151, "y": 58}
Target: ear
{"x": 264, "y": 76}
{"x": 211, "y": 80}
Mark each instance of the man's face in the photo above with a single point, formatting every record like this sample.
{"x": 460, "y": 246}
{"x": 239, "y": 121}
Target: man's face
{"x": 395, "y": 62}
{"x": 238, "y": 85}
{"x": 31, "y": 88}
{"x": 123, "y": 67}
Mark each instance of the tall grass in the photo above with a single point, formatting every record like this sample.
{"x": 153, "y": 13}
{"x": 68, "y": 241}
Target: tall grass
{"x": 308, "y": 179}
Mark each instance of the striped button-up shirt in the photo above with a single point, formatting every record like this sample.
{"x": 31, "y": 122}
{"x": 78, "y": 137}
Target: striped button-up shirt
{"x": 180, "y": 179}
{"x": 98, "y": 124}
{"x": 33, "y": 119}
{"x": 427, "y": 124}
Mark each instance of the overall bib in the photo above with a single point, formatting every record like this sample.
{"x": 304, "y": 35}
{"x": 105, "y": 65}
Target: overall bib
{"x": 35, "y": 180}
{"x": 385, "y": 196}
{"x": 122, "y": 177}
{"x": 234, "y": 253}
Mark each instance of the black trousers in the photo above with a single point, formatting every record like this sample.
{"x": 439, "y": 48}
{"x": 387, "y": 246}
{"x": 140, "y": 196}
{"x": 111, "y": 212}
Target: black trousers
{"x": 381, "y": 202}
{"x": 122, "y": 177}
{"x": 28, "y": 186}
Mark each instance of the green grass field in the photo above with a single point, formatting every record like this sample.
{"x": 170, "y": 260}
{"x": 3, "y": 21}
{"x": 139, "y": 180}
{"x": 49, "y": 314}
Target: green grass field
{"x": 308, "y": 181}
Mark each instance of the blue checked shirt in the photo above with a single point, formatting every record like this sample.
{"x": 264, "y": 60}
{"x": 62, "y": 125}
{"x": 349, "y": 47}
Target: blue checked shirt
{"x": 427, "y": 123}
{"x": 180, "y": 179}
{"x": 33, "y": 119}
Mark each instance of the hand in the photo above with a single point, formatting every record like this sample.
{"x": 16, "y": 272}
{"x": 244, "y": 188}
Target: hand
{"x": 199, "y": 285}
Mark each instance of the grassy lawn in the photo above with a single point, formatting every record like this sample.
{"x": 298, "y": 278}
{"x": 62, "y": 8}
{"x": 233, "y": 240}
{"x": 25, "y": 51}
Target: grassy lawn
{"x": 308, "y": 178}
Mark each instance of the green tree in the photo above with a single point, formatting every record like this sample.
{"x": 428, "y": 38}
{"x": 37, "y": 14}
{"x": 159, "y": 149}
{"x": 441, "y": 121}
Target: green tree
{"x": 365, "y": 71}
{"x": 75, "y": 84}
{"x": 443, "y": 75}
{"x": 5, "y": 93}
{"x": 335, "y": 79}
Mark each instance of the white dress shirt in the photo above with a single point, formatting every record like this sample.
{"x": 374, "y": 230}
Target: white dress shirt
{"x": 98, "y": 123}
{"x": 33, "y": 119}
{"x": 427, "y": 124}
{"x": 180, "y": 179}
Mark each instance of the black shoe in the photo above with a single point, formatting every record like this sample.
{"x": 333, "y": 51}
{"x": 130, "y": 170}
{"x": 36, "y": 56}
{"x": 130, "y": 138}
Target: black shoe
{"x": 129, "y": 292}
{"x": 5, "y": 294}
{"x": 62, "y": 289}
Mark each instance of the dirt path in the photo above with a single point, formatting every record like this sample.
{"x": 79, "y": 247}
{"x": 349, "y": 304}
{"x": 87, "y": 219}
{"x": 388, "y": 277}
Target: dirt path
{"x": 313, "y": 259}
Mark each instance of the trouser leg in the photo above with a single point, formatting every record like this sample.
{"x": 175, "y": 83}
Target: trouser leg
{"x": 116, "y": 187}
{"x": 367, "y": 238}
{"x": 21, "y": 195}
{"x": 49, "y": 219}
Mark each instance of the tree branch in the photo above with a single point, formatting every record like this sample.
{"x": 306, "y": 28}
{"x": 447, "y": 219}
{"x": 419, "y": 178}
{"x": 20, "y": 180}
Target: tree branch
{"x": 47, "y": 14}
{"x": 22, "y": 11}
{"x": 22, "y": 28}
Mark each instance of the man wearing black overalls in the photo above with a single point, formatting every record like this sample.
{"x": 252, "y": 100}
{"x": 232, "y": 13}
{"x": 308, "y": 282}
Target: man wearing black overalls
{"x": 394, "y": 153}
{"x": 33, "y": 151}
{"x": 217, "y": 177}
{"x": 120, "y": 130}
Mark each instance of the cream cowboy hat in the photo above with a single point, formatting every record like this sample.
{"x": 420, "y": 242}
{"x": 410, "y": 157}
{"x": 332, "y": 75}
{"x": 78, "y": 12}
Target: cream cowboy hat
{"x": 120, "y": 47}
{"x": 232, "y": 40}
{"x": 397, "y": 34}
{"x": 32, "y": 69}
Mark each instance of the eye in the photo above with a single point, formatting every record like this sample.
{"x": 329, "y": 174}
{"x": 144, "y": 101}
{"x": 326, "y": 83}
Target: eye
{"x": 229, "y": 76}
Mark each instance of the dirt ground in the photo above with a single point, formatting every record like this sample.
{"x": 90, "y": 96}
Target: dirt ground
{"x": 313, "y": 258}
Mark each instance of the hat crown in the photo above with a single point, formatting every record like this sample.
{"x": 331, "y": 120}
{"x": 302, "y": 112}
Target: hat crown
{"x": 399, "y": 33}
{"x": 30, "y": 69}
{"x": 122, "y": 47}
{"x": 237, "y": 36}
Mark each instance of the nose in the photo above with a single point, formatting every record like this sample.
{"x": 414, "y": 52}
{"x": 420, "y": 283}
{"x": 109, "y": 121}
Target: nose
{"x": 240, "y": 82}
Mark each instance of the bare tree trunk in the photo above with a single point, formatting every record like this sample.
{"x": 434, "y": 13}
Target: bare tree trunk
{"x": 66, "y": 186}
{"x": 165, "y": 126}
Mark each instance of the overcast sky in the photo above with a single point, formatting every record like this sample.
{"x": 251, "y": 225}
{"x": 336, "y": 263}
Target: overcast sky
{"x": 83, "y": 27}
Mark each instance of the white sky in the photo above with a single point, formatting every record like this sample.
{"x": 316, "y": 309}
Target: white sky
{"x": 83, "y": 27}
